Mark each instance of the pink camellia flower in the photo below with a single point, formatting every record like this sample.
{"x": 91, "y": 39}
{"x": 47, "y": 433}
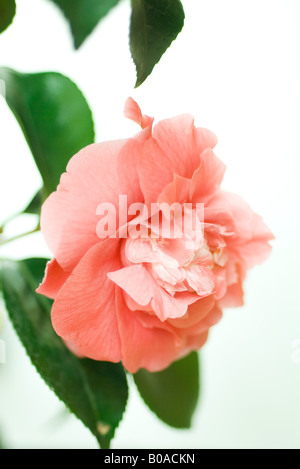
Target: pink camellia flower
{"x": 143, "y": 294}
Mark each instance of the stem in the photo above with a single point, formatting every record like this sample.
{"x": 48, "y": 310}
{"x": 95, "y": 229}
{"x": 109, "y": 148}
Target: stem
{"x": 22, "y": 235}
{"x": 9, "y": 219}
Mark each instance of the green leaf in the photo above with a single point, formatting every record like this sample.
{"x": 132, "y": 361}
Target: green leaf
{"x": 172, "y": 394}
{"x": 34, "y": 207}
{"x": 7, "y": 13}
{"x": 84, "y": 15}
{"x": 96, "y": 392}
{"x": 35, "y": 271}
{"x": 154, "y": 25}
{"x": 54, "y": 116}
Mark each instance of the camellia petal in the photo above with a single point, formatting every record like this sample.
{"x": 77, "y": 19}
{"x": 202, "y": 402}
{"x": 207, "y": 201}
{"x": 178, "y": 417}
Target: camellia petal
{"x": 151, "y": 348}
{"x": 140, "y": 285}
{"x": 84, "y": 311}
{"x": 177, "y": 191}
{"x": 171, "y": 150}
{"x": 250, "y": 242}
{"x": 54, "y": 279}
{"x": 133, "y": 111}
{"x": 97, "y": 174}
{"x": 207, "y": 178}
{"x": 196, "y": 313}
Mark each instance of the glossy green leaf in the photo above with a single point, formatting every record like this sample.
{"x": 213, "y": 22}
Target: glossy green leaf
{"x": 34, "y": 207}
{"x": 54, "y": 116}
{"x": 172, "y": 394}
{"x": 7, "y": 13}
{"x": 96, "y": 392}
{"x": 154, "y": 25}
{"x": 84, "y": 15}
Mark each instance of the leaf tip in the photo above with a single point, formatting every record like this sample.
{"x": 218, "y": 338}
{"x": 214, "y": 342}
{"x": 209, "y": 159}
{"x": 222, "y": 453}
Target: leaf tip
{"x": 77, "y": 42}
{"x": 139, "y": 82}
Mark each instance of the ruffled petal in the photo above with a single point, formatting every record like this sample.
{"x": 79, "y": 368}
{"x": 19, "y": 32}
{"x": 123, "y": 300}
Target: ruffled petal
{"x": 84, "y": 312}
{"x": 207, "y": 178}
{"x": 171, "y": 150}
{"x": 133, "y": 111}
{"x": 53, "y": 281}
{"x": 196, "y": 342}
{"x": 98, "y": 174}
{"x": 196, "y": 312}
{"x": 250, "y": 242}
{"x": 151, "y": 348}
{"x": 140, "y": 285}
{"x": 177, "y": 191}
{"x": 210, "y": 320}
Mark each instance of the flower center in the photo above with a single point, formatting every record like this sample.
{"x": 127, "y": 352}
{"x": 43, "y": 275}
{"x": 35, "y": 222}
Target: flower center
{"x": 178, "y": 258}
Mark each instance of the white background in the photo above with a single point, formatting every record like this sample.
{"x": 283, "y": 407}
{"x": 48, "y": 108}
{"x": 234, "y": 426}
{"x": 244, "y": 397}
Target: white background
{"x": 236, "y": 68}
